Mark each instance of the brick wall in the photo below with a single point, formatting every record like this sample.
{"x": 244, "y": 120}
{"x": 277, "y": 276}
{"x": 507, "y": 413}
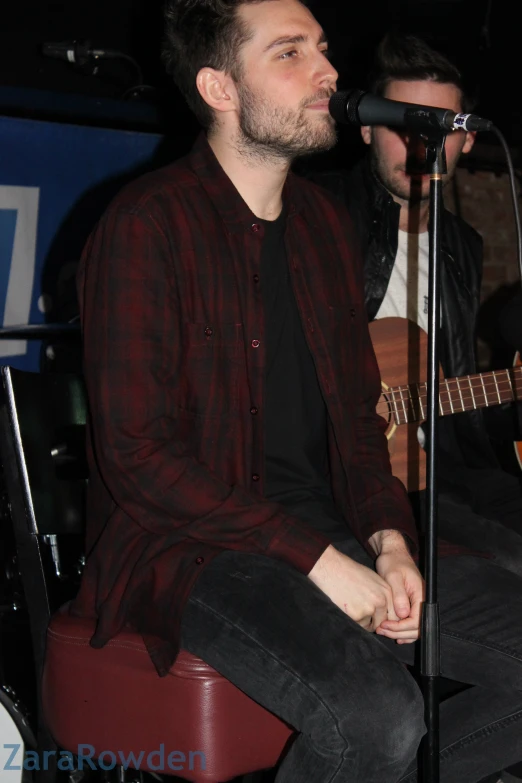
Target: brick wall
{"x": 483, "y": 198}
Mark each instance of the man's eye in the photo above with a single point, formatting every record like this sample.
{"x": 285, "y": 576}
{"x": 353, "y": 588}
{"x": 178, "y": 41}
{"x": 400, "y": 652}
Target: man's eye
{"x": 327, "y": 53}
{"x": 288, "y": 55}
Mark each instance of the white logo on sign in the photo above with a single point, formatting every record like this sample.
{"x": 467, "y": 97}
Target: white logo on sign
{"x": 23, "y": 259}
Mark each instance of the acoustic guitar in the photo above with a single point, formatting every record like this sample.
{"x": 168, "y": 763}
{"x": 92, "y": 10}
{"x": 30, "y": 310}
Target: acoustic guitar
{"x": 401, "y": 348}
{"x": 517, "y": 362}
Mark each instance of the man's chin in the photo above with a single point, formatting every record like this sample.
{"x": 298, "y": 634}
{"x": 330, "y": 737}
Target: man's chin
{"x": 413, "y": 189}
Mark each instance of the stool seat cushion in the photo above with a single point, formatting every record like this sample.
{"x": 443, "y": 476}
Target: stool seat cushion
{"x": 193, "y": 723}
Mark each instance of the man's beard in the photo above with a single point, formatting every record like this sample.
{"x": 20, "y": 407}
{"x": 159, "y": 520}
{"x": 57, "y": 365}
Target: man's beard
{"x": 410, "y": 190}
{"x": 414, "y": 189}
{"x": 272, "y": 131}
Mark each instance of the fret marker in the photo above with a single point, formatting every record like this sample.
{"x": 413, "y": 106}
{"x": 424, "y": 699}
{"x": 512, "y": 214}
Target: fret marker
{"x": 496, "y": 384}
{"x": 460, "y": 394}
{"x": 404, "y": 407}
{"x": 486, "y": 401}
{"x": 472, "y": 392}
{"x": 508, "y": 375}
{"x": 450, "y": 398}
{"x": 420, "y": 400}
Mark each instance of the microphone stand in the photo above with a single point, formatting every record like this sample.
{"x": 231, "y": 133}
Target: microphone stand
{"x": 434, "y": 138}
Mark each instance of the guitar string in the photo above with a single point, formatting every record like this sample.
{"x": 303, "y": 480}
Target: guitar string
{"x": 446, "y": 388}
{"x": 486, "y": 394}
{"x": 384, "y": 409}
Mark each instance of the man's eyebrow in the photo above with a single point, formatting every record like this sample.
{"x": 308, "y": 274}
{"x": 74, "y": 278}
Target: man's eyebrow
{"x": 293, "y": 39}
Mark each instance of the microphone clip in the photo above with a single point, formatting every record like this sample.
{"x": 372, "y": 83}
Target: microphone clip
{"x": 79, "y": 52}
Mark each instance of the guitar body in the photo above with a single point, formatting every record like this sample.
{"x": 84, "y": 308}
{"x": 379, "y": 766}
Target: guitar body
{"x": 401, "y": 348}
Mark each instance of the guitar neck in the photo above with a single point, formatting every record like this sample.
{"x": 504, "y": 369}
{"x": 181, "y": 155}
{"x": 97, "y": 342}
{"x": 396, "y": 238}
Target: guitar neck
{"x": 469, "y": 392}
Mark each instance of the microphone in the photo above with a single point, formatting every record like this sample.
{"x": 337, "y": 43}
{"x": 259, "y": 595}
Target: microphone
{"x": 356, "y": 107}
{"x": 76, "y": 52}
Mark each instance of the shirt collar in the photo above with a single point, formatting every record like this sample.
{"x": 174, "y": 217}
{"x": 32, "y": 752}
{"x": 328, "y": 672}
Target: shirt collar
{"x": 228, "y": 202}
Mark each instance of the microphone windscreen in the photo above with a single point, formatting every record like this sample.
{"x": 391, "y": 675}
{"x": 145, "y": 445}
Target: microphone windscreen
{"x": 343, "y": 106}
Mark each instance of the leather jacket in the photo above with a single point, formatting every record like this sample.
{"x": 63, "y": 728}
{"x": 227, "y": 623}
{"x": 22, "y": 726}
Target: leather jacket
{"x": 464, "y": 444}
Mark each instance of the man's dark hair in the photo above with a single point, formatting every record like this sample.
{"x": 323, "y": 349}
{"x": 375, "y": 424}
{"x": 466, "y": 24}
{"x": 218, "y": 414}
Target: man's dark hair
{"x": 199, "y": 34}
{"x": 406, "y": 57}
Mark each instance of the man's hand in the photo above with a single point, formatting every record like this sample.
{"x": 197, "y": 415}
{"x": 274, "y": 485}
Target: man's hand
{"x": 362, "y": 594}
{"x": 395, "y": 565}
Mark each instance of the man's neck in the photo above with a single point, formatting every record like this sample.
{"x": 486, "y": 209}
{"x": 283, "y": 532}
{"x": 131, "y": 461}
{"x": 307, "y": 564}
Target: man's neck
{"x": 259, "y": 181}
{"x": 413, "y": 217}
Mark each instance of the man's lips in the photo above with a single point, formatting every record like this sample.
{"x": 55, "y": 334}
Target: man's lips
{"x": 319, "y": 105}
{"x": 412, "y": 172}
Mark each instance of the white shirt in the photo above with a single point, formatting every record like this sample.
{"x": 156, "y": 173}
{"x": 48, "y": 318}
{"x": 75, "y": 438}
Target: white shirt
{"x": 407, "y": 292}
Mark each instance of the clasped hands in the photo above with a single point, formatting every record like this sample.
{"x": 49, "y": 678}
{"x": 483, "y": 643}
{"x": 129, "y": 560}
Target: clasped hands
{"x": 386, "y": 601}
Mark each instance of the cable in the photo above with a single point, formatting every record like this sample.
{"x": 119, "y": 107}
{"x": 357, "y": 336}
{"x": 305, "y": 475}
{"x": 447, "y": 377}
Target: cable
{"x": 131, "y": 92}
{"x": 113, "y": 54}
{"x": 79, "y": 53}
{"x": 514, "y": 196}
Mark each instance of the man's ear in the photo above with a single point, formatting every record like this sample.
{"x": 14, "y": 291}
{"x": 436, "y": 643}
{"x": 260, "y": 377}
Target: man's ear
{"x": 217, "y": 89}
{"x": 470, "y": 141}
{"x": 366, "y": 133}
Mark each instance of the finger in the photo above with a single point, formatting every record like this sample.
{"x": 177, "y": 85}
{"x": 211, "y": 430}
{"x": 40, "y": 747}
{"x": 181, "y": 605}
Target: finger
{"x": 416, "y": 607}
{"x": 390, "y": 608}
{"x": 380, "y": 615}
{"x": 409, "y": 624}
{"x": 411, "y": 634}
{"x": 401, "y": 600}
{"x": 367, "y": 624}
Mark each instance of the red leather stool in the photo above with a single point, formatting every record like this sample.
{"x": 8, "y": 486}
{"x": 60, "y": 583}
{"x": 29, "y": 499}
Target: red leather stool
{"x": 114, "y": 701}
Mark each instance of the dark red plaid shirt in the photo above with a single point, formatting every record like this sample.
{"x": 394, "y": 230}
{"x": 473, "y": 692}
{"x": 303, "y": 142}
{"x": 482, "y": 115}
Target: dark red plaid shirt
{"x": 174, "y": 345}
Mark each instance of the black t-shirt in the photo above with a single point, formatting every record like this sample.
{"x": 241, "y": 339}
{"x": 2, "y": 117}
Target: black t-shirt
{"x": 297, "y": 471}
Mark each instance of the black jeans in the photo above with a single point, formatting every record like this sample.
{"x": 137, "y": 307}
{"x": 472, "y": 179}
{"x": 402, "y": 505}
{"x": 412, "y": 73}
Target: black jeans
{"x": 357, "y": 709}
{"x": 499, "y": 535}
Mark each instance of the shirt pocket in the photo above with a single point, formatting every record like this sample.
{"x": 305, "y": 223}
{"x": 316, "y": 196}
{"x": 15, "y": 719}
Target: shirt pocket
{"x": 210, "y": 361}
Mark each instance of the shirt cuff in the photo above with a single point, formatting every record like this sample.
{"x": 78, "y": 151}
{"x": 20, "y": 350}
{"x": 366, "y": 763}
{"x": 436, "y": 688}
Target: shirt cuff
{"x": 298, "y": 545}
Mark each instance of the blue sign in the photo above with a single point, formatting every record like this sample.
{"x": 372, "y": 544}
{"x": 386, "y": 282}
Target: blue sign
{"x": 55, "y": 181}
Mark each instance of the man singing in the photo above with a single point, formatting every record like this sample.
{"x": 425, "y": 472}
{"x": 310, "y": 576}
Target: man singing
{"x": 241, "y": 500}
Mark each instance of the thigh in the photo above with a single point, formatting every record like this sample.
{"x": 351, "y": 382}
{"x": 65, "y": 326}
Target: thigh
{"x": 269, "y": 630}
{"x": 481, "y": 622}
{"x": 460, "y": 524}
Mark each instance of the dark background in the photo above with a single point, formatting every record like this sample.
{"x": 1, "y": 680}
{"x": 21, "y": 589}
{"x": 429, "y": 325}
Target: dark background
{"x": 481, "y": 35}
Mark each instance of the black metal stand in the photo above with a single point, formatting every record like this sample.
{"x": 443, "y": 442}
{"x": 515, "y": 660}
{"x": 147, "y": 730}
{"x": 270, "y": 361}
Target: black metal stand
{"x": 40, "y": 331}
{"x": 430, "y": 636}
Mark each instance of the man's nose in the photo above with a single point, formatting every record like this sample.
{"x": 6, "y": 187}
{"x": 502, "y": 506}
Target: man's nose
{"x": 327, "y": 74}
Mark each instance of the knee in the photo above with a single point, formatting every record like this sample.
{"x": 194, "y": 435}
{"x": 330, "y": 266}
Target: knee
{"x": 390, "y": 725}
{"x": 396, "y": 718}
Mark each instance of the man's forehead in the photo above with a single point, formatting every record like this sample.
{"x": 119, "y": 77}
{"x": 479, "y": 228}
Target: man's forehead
{"x": 276, "y": 22}
{"x": 425, "y": 91}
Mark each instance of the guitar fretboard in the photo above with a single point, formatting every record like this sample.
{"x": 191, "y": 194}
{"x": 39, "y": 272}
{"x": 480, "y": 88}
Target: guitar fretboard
{"x": 409, "y": 403}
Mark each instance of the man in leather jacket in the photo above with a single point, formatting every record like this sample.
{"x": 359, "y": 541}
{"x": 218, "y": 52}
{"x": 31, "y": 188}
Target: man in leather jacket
{"x": 480, "y": 504}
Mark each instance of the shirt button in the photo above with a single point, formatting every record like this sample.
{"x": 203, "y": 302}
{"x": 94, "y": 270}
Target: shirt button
{"x": 255, "y": 227}
{"x": 352, "y": 312}
{"x": 208, "y": 331}
{"x": 200, "y": 560}
{"x": 253, "y": 410}
{"x": 255, "y": 476}
{"x": 255, "y": 343}
{"x": 256, "y": 278}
